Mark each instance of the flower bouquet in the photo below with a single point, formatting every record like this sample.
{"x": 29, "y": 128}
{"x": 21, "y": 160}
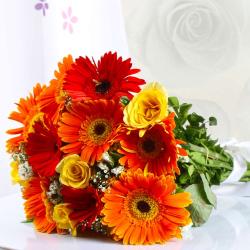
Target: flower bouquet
{"x": 95, "y": 152}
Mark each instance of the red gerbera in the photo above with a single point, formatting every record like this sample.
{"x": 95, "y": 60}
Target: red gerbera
{"x": 85, "y": 204}
{"x": 157, "y": 149}
{"x": 43, "y": 147}
{"x": 37, "y": 206}
{"x": 110, "y": 77}
{"x": 90, "y": 128}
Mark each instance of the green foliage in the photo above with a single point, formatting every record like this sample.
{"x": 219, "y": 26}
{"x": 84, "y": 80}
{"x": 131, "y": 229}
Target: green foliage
{"x": 246, "y": 176}
{"x": 200, "y": 209}
{"x": 207, "y": 162}
{"x": 208, "y": 192}
{"x": 205, "y": 154}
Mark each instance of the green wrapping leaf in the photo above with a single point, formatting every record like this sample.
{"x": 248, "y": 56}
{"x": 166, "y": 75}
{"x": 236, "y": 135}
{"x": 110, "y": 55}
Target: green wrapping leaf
{"x": 209, "y": 193}
{"x": 200, "y": 210}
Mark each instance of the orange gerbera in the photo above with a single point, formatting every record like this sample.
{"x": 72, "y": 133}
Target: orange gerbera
{"x": 27, "y": 109}
{"x": 157, "y": 150}
{"x": 53, "y": 98}
{"x": 37, "y": 207}
{"x": 90, "y": 128}
{"x": 143, "y": 209}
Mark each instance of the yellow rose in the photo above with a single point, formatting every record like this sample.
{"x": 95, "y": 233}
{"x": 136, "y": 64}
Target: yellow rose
{"x": 74, "y": 172}
{"x": 147, "y": 108}
{"x": 14, "y": 172}
{"x": 61, "y": 217}
{"x": 15, "y": 175}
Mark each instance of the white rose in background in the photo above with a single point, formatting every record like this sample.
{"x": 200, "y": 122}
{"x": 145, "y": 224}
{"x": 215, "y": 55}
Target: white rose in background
{"x": 199, "y": 38}
{"x": 200, "y": 50}
{"x": 203, "y": 33}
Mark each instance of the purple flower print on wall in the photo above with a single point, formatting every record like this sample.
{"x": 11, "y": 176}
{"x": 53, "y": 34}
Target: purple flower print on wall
{"x": 69, "y": 20}
{"x": 42, "y": 5}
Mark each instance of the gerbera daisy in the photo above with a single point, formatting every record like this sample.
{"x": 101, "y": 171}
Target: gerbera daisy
{"x": 85, "y": 205}
{"x": 90, "y": 128}
{"x": 156, "y": 150}
{"x": 37, "y": 207}
{"x": 143, "y": 209}
{"x": 53, "y": 98}
{"x": 43, "y": 147}
{"x": 27, "y": 109}
{"x": 111, "y": 77}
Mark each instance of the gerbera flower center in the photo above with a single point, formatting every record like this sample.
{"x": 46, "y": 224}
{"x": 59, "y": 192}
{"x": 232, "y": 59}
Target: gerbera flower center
{"x": 99, "y": 130}
{"x": 149, "y": 147}
{"x": 142, "y": 207}
{"x": 102, "y": 87}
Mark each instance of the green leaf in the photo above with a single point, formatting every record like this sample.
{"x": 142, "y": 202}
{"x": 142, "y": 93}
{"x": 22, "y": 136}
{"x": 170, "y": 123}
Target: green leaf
{"x": 195, "y": 119}
{"x": 184, "y": 108}
{"x": 246, "y": 176}
{"x": 209, "y": 193}
{"x": 183, "y": 113}
{"x": 191, "y": 170}
{"x": 27, "y": 221}
{"x": 212, "y": 121}
{"x": 124, "y": 100}
{"x": 115, "y": 156}
{"x": 173, "y": 101}
{"x": 183, "y": 178}
{"x": 179, "y": 190}
{"x": 200, "y": 210}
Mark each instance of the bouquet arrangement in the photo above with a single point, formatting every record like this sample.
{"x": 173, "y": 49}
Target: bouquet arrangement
{"x": 95, "y": 152}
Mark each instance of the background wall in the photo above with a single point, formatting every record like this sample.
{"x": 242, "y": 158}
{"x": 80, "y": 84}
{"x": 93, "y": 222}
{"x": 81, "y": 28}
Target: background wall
{"x": 34, "y": 36}
{"x": 200, "y": 50}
